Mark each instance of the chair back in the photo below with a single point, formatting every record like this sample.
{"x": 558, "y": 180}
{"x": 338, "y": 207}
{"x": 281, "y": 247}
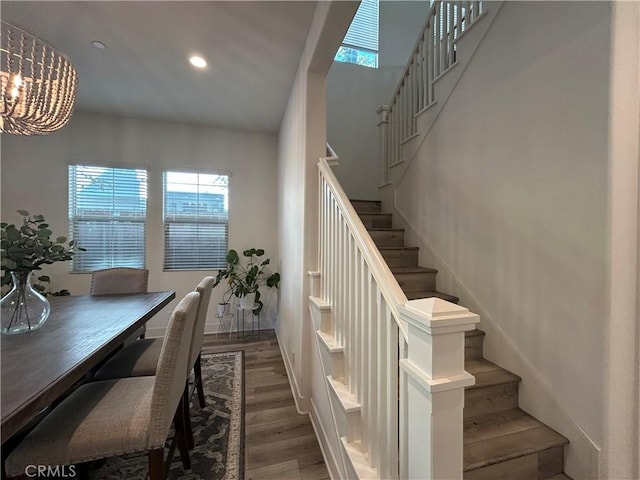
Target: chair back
{"x": 204, "y": 288}
{"x": 120, "y": 280}
{"x": 171, "y": 372}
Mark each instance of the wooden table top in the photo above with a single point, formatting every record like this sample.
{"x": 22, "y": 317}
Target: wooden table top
{"x": 39, "y": 367}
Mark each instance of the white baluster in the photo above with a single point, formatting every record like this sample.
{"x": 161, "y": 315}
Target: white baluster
{"x": 438, "y": 39}
{"x": 373, "y": 384}
{"x": 333, "y": 268}
{"x": 391, "y": 426}
{"x": 467, "y": 14}
{"x": 450, "y": 33}
{"x": 430, "y": 60}
{"x": 383, "y": 384}
{"x": 366, "y": 364}
{"x": 339, "y": 273}
{"x": 383, "y": 142}
{"x": 425, "y": 68}
{"x": 403, "y": 417}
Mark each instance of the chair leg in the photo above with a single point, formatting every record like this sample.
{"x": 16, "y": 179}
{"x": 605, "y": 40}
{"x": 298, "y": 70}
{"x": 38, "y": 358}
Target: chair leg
{"x": 156, "y": 464}
{"x": 197, "y": 370}
{"x": 181, "y": 440}
{"x": 187, "y": 417}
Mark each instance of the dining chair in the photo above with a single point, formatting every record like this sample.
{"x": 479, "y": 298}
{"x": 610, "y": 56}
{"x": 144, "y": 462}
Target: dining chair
{"x": 116, "y": 417}
{"x": 118, "y": 281}
{"x": 141, "y": 357}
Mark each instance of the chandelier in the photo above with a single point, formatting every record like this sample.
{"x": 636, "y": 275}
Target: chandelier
{"x": 37, "y": 83}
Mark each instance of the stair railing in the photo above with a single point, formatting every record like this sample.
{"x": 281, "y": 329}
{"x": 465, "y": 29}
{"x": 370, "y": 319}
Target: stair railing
{"x": 364, "y": 298}
{"x": 403, "y": 360}
{"x": 433, "y": 54}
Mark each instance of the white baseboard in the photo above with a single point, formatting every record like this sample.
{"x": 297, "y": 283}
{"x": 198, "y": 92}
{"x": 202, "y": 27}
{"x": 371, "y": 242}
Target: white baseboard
{"x": 299, "y": 399}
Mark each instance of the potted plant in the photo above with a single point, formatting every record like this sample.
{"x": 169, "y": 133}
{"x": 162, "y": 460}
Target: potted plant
{"x": 245, "y": 279}
{"x": 24, "y": 249}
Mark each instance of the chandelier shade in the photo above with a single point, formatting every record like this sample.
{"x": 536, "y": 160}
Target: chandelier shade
{"x": 38, "y": 84}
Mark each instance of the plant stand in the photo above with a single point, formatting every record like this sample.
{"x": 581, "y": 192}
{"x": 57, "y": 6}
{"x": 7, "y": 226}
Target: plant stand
{"x": 240, "y": 322}
{"x": 225, "y": 322}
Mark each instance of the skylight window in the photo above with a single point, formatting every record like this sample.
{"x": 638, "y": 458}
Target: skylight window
{"x": 360, "y": 44}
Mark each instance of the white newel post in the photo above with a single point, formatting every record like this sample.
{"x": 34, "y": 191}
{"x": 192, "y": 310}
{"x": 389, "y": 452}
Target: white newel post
{"x": 383, "y": 143}
{"x": 435, "y": 381}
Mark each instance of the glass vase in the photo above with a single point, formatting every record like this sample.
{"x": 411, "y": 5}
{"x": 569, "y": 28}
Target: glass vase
{"x": 23, "y": 309}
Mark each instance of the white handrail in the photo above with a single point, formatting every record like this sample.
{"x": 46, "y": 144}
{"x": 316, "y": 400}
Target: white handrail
{"x": 385, "y": 280}
{"x": 331, "y": 154}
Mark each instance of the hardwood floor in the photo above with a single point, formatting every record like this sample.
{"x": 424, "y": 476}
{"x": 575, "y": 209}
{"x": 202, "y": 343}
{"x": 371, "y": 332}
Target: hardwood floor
{"x": 279, "y": 443}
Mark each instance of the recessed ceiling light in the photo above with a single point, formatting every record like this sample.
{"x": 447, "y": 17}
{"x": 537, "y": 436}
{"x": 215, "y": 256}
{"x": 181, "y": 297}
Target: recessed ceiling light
{"x": 197, "y": 61}
{"x": 98, "y": 45}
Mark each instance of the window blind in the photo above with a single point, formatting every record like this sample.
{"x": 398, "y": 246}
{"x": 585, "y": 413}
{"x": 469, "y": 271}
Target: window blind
{"x": 196, "y": 218}
{"x": 107, "y": 216}
{"x": 363, "y": 31}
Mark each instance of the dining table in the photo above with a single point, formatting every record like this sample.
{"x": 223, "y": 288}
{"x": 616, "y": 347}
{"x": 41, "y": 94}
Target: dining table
{"x": 40, "y": 367}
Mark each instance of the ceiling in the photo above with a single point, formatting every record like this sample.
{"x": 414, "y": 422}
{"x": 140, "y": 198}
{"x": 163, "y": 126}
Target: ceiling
{"x": 252, "y": 48}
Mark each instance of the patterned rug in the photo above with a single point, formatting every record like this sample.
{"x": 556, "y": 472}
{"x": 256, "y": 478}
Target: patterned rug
{"x": 218, "y": 430}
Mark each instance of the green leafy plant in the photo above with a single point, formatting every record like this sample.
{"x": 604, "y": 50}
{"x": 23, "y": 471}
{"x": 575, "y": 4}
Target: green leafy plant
{"x": 246, "y": 278}
{"x": 29, "y": 246}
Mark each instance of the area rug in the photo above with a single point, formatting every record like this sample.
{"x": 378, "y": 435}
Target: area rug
{"x": 218, "y": 430}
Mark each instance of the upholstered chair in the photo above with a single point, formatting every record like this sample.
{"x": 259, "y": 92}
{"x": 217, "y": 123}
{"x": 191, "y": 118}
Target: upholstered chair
{"x": 141, "y": 357}
{"x": 115, "y": 417}
{"x": 118, "y": 281}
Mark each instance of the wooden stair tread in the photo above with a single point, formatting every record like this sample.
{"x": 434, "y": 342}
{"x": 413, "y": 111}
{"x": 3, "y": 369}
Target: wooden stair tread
{"x": 398, "y": 248}
{"x": 473, "y": 333}
{"x": 378, "y": 229}
{"x": 560, "y": 476}
{"x": 488, "y": 374}
{"x": 366, "y": 206}
{"x": 444, "y": 296}
{"x": 498, "y": 437}
{"x": 375, "y": 214}
{"x": 413, "y": 270}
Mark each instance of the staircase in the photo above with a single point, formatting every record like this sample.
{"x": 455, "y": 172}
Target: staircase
{"x": 501, "y": 441}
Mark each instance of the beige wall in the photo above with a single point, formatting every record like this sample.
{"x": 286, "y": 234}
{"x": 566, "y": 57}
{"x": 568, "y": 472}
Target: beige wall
{"x": 34, "y": 177}
{"x": 508, "y": 196}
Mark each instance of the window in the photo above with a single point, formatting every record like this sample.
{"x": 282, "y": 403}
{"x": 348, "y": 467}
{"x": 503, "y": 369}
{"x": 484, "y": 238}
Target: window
{"x": 360, "y": 44}
{"x": 107, "y": 216}
{"x": 196, "y": 217}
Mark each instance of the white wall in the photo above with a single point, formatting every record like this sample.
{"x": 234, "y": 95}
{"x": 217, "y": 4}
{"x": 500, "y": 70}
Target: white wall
{"x": 302, "y": 142}
{"x": 354, "y": 94}
{"x": 621, "y": 452}
{"x": 508, "y": 196}
{"x": 34, "y": 177}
